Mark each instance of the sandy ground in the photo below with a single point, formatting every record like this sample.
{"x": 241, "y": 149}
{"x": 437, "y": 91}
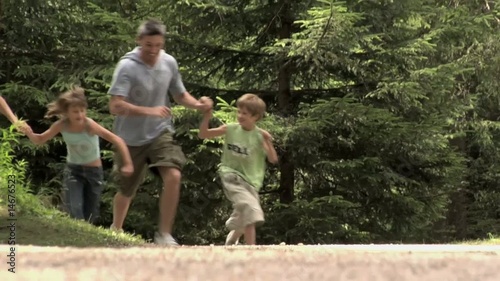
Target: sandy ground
{"x": 339, "y": 262}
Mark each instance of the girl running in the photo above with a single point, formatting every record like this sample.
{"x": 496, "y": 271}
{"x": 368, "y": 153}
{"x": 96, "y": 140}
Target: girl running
{"x": 83, "y": 173}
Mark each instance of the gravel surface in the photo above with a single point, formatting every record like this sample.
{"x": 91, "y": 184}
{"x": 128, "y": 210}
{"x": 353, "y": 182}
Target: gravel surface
{"x": 340, "y": 262}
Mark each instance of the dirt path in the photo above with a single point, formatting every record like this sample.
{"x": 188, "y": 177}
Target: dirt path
{"x": 307, "y": 263}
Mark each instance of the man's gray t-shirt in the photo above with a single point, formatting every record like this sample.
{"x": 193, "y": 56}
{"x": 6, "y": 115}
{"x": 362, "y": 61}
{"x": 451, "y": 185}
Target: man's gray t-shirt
{"x": 143, "y": 85}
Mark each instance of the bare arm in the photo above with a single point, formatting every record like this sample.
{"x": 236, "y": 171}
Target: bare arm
{"x": 118, "y": 106}
{"x": 205, "y": 132}
{"x": 5, "y": 110}
{"x": 112, "y": 138}
{"x": 272, "y": 156}
{"x": 187, "y": 100}
{"x": 49, "y": 134}
{"x": 267, "y": 143}
{"x": 121, "y": 88}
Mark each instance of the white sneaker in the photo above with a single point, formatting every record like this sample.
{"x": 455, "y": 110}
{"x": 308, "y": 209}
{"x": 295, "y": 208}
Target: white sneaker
{"x": 233, "y": 238}
{"x": 165, "y": 240}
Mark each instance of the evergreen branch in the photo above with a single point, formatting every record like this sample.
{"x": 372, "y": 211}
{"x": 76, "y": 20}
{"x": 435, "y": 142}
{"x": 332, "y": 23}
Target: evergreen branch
{"x": 337, "y": 92}
{"x": 217, "y": 49}
{"x": 327, "y": 26}
{"x": 219, "y": 67}
{"x": 150, "y": 11}
{"x": 123, "y": 10}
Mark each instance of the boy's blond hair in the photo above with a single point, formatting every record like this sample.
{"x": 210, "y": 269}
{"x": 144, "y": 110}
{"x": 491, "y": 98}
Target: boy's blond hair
{"x": 252, "y": 103}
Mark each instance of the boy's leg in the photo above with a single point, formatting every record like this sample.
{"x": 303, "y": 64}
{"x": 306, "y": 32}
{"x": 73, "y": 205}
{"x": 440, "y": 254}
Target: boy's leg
{"x": 92, "y": 193}
{"x": 127, "y": 186}
{"x": 233, "y": 238}
{"x": 234, "y": 235}
{"x": 73, "y": 193}
{"x": 166, "y": 156}
{"x": 250, "y": 234}
{"x": 246, "y": 208}
{"x": 254, "y": 215}
{"x": 234, "y": 221}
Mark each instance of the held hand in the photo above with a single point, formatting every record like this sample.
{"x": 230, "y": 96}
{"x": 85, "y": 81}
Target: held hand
{"x": 160, "y": 111}
{"x": 205, "y": 104}
{"x": 24, "y": 128}
{"x": 127, "y": 170}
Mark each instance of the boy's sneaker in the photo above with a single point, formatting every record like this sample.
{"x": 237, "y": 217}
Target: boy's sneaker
{"x": 165, "y": 240}
{"x": 232, "y": 238}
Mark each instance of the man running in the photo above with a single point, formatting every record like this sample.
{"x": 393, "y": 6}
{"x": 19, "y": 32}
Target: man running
{"x": 139, "y": 99}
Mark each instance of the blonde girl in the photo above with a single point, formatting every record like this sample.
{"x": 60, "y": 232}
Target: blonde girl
{"x": 83, "y": 173}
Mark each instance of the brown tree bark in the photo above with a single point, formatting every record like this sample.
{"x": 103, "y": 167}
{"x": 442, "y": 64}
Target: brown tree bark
{"x": 457, "y": 212}
{"x": 287, "y": 179}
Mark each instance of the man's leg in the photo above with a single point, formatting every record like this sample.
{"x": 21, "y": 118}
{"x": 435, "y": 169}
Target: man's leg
{"x": 169, "y": 199}
{"x": 127, "y": 186}
{"x": 168, "y": 158}
{"x": 121, "y": 204}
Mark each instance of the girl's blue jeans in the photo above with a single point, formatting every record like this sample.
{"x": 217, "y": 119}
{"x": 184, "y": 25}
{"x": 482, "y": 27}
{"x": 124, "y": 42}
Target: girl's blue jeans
{"x": 82, "y": 190}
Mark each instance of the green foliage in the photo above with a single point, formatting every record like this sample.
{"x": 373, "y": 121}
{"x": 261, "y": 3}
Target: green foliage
{"x": 376, "y": 161}
{"x": 14, "y": 186}
{"x": 393, "y": 108}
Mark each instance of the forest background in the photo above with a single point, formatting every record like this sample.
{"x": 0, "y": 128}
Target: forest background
{"x": 384, "y": 113}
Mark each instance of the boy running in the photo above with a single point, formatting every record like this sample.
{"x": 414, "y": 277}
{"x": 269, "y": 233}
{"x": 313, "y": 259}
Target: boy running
{"x": 243, "y": 165}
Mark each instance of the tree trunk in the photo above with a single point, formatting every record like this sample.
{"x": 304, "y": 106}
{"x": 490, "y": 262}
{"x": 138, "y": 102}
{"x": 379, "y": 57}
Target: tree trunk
{"x": 457, "y": 212}
{"x": 284, "y": 96}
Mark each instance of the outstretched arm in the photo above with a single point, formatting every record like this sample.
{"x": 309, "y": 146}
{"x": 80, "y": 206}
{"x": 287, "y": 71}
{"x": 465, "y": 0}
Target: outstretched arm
{"x": 95, "y": 128}
{"x": 49, "y": 134}
{"x": 187, "y": 100}
{"x": 5, "y": 110}
{"x": 205, "y": 132}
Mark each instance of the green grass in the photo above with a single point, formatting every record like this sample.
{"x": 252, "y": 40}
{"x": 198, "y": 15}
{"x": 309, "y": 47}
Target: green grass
{"x": 489, "y": 241}
{"x": 53, "y": 228}
{"x": 39, "y": 224}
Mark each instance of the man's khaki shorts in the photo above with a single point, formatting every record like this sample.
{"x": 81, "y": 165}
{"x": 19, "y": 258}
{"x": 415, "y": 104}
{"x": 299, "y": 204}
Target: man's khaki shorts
{"x": 162, "y": 152}
{"x": 245, "y": 201}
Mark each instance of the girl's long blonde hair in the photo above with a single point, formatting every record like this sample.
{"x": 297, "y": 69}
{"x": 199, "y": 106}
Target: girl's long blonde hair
{"x": 73, "y": 97}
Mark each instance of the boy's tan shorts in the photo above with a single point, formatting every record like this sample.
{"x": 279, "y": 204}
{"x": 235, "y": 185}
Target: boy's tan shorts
{"x": 162, "y": 152}
{"x": 245, "y": 201}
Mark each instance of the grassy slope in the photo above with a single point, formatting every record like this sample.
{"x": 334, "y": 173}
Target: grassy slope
{"x": 490, "y": 241}
{"x": 56, "y": 229}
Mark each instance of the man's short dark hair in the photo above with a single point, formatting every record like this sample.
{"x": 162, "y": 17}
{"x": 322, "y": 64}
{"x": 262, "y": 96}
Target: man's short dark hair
{"x": 151, "y": 28}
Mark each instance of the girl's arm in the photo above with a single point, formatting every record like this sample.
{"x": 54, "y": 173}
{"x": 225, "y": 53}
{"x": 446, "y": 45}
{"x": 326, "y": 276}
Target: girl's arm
{"x": 95, "y": 128}
{"x": 205, "y": 132}
{"x": 267, "y": 143}
{"x": 5, "y": 110}
{"x": 49, "y": 134}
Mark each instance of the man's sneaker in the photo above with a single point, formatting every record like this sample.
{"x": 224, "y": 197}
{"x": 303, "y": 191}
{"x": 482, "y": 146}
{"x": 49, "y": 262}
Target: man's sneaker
{"x": 114, "y": 229}
{"x": 165, "y": 240}
{"x": 233, "y": 238}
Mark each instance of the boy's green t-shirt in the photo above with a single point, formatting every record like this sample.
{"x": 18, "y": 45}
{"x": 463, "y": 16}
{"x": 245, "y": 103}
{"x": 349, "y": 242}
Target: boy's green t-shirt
{"x": 244, "y": 154}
